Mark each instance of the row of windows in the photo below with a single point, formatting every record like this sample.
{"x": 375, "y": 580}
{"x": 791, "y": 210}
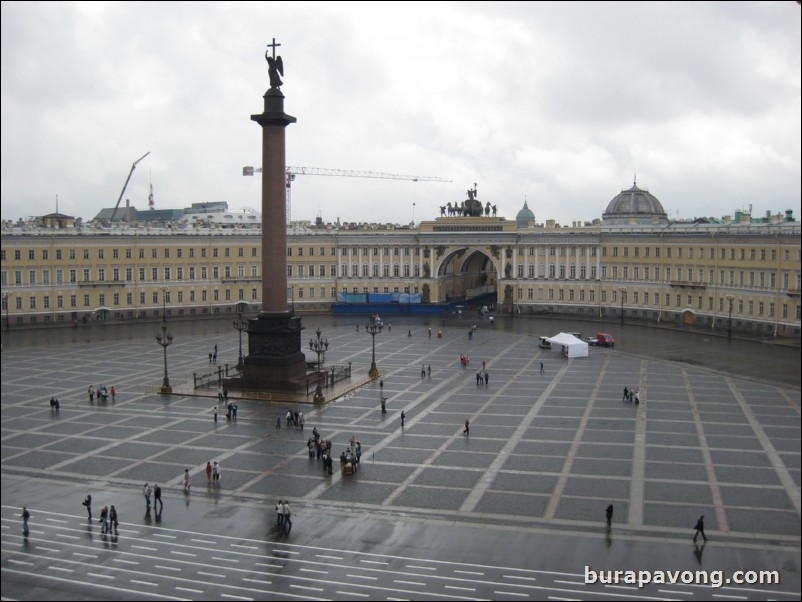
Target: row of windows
{"x": 751, "y": 279}
{"x": 758, "y": 309}
{"x": 723, "y": 252}
{"x": 115, "y": 253}
{"x": 116, "y": 299}
{"x": 127, "y": 274}
{"x": 563, "y": 251}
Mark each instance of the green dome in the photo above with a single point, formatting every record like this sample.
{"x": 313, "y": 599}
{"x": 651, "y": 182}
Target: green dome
{"x": 525, "y": 217}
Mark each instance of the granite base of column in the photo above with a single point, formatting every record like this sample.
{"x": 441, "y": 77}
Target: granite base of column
{"x": 275, "y": 360}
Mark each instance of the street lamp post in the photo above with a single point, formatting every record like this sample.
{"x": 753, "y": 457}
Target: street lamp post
{"x": 319, "y": 346}
{"x": 729, "y": 320}
{"x": 240, "y": 325}
{"x": 623, "y": 290}
{"x": 165, "y": 339}
{"x": 373, "y": 329}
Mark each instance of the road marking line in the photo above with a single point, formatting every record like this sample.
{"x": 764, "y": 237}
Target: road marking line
{"x": 257, "y": 581}
{"x": 139, "y": 582}
{"x": 314, "y": 589}
{"x": 101, "y": 575}
{"x": 218, "y": 575}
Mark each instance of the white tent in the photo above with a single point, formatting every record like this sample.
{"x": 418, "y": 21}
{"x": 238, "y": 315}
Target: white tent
{"x": 573, "y": 346}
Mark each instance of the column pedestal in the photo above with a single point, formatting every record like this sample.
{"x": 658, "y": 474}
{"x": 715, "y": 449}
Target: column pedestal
{"x": 275, "y": 360}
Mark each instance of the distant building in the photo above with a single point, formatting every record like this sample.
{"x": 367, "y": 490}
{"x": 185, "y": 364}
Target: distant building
{"x": 206, "y": 260}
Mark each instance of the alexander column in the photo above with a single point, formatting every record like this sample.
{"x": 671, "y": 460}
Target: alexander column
{"x": 275, "y": 359}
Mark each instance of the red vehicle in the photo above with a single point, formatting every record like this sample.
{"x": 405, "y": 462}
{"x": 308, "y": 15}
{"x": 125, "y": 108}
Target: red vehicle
{"x": 605, "y": 340}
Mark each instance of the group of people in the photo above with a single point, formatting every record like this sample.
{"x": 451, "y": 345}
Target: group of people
{"x": 156, "y": 492}
{"x": 464, "y": 360}
{"x": 213, "y": 473}
{"x": 54, "y": 404}
{"x": 213, "y": 355}
{"x": 631, "y": 394}
{"x": 109, "y": 521}
{"x": 293, "y": 418}
{"x": 283, "y": 515}
{"x": 426, "y": 371}
{"x": 102, "y": 393}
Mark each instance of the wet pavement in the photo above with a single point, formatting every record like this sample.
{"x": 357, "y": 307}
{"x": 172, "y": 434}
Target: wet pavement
{"x": 514, "y": 510}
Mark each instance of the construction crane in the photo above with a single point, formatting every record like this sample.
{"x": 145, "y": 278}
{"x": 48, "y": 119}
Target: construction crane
{"x": 128, "y": 179}
{"x": 291, "y": 172}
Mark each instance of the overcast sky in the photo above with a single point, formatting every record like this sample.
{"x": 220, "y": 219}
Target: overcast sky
{"x": 560, "y": 104}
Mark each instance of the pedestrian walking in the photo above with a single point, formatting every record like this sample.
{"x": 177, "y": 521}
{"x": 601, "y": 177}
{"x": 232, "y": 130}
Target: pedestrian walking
{"x": 467, "y": 430}
{"x": 157, "y": 498}
{"x": 409, "y": 333}
{"x": 113, "y": 394}
{"x": 700, "y": 528}
{"x": 146, "y": 491}
{"x": 215, "y": 413}
{"x": 287, "y": 522}
{"x": 209, "y": 472}
{"x": 214, "y": 356}
{"x": 113, "y": 522}
{"x": 429, "y": 371}
{"x": 104, "y": 519}
{"x": 91, "y": 394}
{"x": 430, "y": 333}
{"x": 301, "y": 420}
{"x": 384, "y": 406}
{"x": 478, "y": 377}
{"x": 25, "y": 516}
{"x": 541, "y": 367}
{"x": 487, "y": 377}
{"x": 626, "y": 393}
{"x": 279, "y": 514}
{"x": 88, "y": 505}
{"x": 216, "y": 472}
{"x": 210, "y": 357}
{"x": 278, "y": 422}
{"x": 187, "y": 482}
{"x": 609, "y": 514}
{"x": 215, "y": 349}
{"x": 403, "y": 416}
{"x": 423, "y": 372}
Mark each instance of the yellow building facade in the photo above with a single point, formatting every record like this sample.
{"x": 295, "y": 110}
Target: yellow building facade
{"x": 740, "y": 274}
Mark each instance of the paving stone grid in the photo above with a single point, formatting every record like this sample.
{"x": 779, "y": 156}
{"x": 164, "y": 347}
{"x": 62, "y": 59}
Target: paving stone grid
{"x": 545, "y": 450}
